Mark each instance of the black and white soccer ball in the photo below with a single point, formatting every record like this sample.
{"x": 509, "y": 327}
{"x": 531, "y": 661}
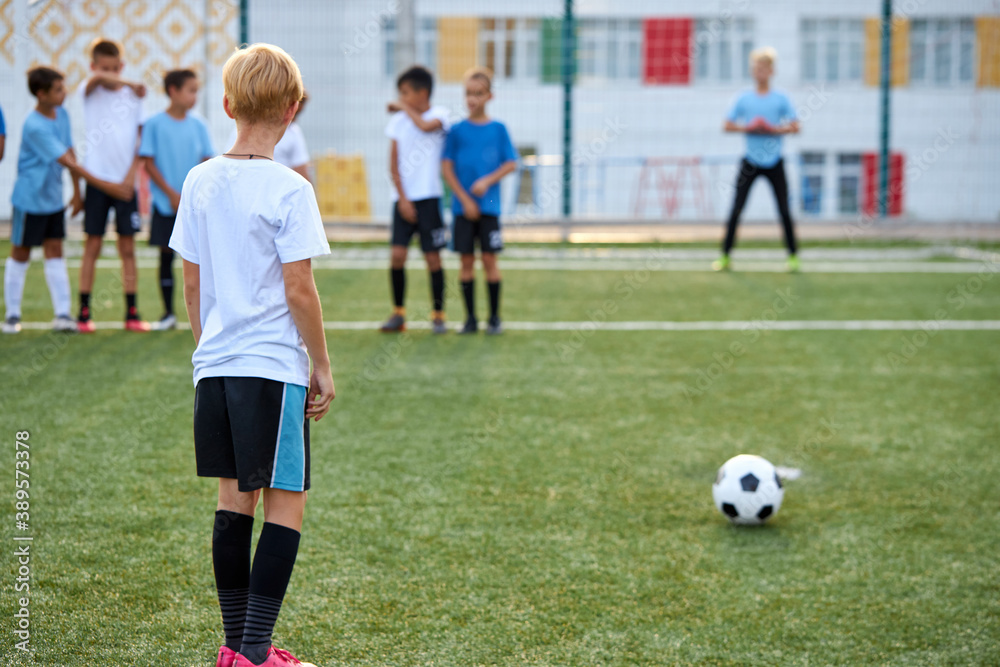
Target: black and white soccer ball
{"x": 748, "y": 490}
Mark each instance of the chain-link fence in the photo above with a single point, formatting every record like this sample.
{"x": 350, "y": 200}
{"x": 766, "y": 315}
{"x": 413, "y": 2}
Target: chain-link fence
{"x": 649, "y": 87}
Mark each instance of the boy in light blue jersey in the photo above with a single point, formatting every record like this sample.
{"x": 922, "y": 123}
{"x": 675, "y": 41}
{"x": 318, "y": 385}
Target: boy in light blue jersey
{"x": 477, "y": 155}
{"x": 39, "y": 211}
{"x": 173, "y": 142}
{"x": 764, "y": 115}
{"x": 3, "y": 135}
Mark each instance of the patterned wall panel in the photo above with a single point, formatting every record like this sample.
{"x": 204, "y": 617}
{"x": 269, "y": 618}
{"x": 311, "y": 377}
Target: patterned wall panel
{"x": 156, "y": 35}
{"x": 7, "y": 31}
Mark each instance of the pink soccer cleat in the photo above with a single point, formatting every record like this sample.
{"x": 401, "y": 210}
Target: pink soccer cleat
{"x": 227, "y": 657}
{"x": 137, "y": 325}
{"x": 276, "y": 657}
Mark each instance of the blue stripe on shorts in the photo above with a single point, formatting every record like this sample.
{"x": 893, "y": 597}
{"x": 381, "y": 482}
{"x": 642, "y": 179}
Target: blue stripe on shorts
{"x": 17, "y": 227}
{"x": 289, "y": 472}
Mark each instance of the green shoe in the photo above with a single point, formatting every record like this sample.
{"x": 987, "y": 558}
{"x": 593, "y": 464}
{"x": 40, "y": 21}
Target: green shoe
{"x": 794, "y": 265}
{"x": 721, "y": 264}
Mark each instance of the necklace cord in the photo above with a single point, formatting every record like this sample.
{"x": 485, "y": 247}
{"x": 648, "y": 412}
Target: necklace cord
{"x": 247, "y": 155}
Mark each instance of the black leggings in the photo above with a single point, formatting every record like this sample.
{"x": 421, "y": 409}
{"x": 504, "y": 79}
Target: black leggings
{"x": 776, "y": 175}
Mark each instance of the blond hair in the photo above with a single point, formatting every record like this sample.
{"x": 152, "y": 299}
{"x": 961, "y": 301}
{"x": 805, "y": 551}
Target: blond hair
{"x": 261, "y": 81}
{"x": 765, "y": 53}
{"x": 482, "y": 74}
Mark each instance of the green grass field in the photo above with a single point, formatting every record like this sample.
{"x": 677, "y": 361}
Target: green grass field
{"x": 542, "y": 498}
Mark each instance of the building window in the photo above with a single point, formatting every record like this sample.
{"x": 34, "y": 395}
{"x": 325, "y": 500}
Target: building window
{"x": 509, "y": 47}
{"x": 427, "y": 43}
{"x": 722, "y": 50}
{"x": 389, "y": 48}
{"x": 529, "y": 37}
{"x": 608, "y": 49}
{"x": 942, "y": 51}
{"x": 427, "y": 38}
{"x": 813, "y": 165}
{"x": 848, "y": 183}
{"x": 832, "y": 50}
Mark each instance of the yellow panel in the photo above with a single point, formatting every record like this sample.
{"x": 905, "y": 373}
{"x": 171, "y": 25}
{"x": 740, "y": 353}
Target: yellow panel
{"x": 458, "y": 45}
{"x": 342, "y": 187}
{"x": 899, "y": 61}
{"x": 988, "y": 40}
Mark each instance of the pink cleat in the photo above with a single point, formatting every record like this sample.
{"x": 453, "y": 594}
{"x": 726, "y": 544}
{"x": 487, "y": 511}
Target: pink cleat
{"x": 227, "y": 657}
{"x": 137, "y": 325}
{"x": 84, "y": 324}
{"x": 276, "y": 657}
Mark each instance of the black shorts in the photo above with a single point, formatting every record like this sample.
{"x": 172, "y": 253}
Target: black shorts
{"x": 252, "y": 430}
{"x": 28, "y": 230}
{"x": 486, "y": 229}
{"x": 95, "y": 213}
{"x": 160, "y": 229}
{"x": 433, "y": 233}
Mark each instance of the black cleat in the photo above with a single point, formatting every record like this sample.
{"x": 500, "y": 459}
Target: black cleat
{"x": 395, "y": 324}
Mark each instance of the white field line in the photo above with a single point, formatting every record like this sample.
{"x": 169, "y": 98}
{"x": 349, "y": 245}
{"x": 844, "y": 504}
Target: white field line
{"x": 977, "y": 255}
{"x": 74, "y": 251}
{"x": 723, "y": 325}
{"x": 652, "y": 264}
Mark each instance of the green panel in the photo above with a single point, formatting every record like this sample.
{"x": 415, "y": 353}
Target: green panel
{"x": 551, "y": 50}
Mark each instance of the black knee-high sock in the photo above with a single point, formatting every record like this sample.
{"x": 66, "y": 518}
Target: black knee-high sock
{"x": 272, "y": 568}
{"x": 398, "y": 277}
{"x": 130, "y": 306}
{"x": 167, "y": 279}
{"x": 469, "y": 294}
{"x": 494, "y": 299}
{"x": 437, "y": 289}
{"x": 231, "y": 560}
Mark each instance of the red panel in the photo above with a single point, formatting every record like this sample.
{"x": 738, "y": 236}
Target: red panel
{"x": 869, "y": 183}
{"x": 895, "y": 184}
{"x": 666, "y": 51}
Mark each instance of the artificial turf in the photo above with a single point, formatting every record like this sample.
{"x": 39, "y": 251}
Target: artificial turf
{"x": 542, "y": 498}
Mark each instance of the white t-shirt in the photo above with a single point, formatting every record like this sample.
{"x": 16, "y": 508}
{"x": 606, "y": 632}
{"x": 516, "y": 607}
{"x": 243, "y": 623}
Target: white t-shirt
{"x": 111, "y": 120}
{"x": 239, "y": 221}
{"x": 291, "y": 149}
{"x": 419, "y": 153}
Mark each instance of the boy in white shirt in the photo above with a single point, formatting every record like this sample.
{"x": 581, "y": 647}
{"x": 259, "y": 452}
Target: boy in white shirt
{"x": 247, "y": 229}
{"x": 292, "y": 151}
{"x": 417, "y": 133}
{"x": 112, "y": 116}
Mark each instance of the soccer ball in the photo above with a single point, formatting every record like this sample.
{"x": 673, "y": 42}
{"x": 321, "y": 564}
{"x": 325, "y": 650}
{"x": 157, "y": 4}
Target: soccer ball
{"x": 748, "y": 490}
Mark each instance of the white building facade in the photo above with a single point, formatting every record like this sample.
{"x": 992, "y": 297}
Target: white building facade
{"x": 654, "y": 82}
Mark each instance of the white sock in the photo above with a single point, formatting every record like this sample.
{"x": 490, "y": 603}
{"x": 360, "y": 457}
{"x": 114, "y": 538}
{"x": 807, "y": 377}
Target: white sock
{"x": 58, "y": 279}
{"x": 14, "y": 274}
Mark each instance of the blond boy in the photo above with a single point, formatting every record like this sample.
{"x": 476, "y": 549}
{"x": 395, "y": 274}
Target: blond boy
{"x": 247, "y": 229}
{"x": 764, "y": 115}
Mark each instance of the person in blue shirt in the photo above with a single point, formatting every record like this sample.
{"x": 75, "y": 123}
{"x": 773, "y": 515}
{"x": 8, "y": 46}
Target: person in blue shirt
{"x": 3, "y": 135}
{"x": 477, "y": 154}
{"x": 173, "y": 142}
{"x": 765, "y": 116}
{"x": 39, "y": 212}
